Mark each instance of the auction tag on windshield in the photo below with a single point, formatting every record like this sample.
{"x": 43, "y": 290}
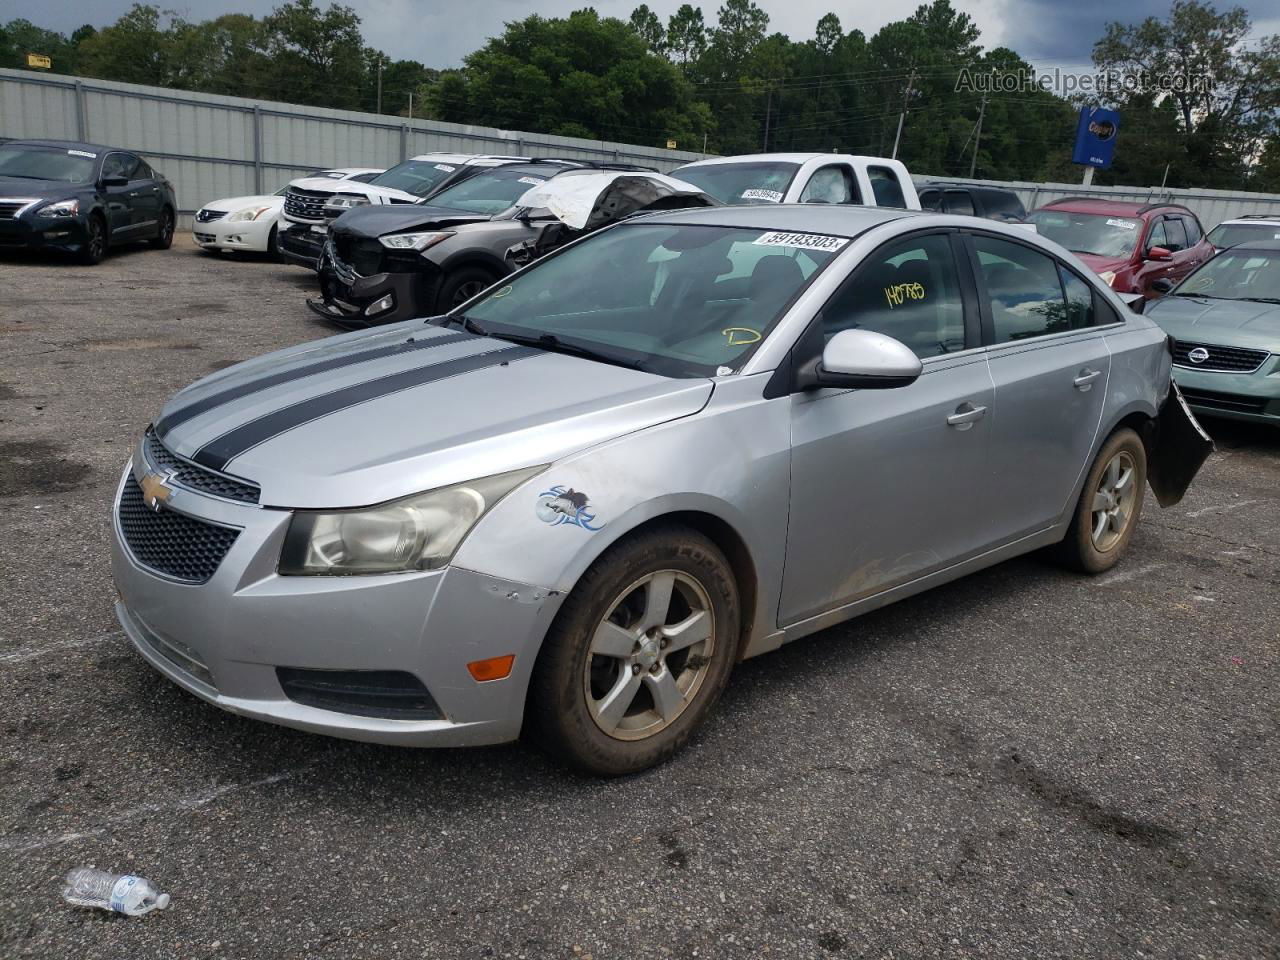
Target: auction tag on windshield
{"x": 804, "y": 241}
{"x": 445, "y": 167}
{"x": 1126, "y": 224}
{"x": 532, "y": 181}
{"x": 82, "y": 153}
{"x": 773, "y": 196}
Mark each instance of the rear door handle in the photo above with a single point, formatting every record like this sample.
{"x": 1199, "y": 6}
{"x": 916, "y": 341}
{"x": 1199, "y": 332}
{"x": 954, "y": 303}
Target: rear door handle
{"x": 1085, "y": 380}
{"x": 966, "y": 415}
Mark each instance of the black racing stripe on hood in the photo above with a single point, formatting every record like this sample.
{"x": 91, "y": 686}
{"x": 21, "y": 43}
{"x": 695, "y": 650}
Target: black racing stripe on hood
{"x": 217, "y": 453}
{"x": 205, "y": 404}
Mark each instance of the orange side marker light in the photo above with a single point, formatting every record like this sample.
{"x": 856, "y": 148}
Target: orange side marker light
{"x": 495, "y": 668}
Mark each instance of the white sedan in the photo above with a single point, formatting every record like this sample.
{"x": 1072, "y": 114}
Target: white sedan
{"x": 245, "y": 224}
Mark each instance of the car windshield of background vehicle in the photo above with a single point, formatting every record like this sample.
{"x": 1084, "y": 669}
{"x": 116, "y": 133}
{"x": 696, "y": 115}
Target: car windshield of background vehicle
{"x": 418, "y": 177}
{"x": 1094, "y": 233}
{"x": 490, "y": 192}
{"x": 680, "y": 301}
{"x": 1229, "y": 234}
{"x": 47, "y": 163}
{"x": 1236, "y": 275}
{"x": 761, "y": 182}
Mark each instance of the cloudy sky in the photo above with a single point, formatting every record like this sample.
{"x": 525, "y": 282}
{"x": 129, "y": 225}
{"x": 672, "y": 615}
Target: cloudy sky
{"x": 441, "y": 32}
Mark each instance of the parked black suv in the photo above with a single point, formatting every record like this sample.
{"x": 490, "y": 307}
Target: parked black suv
{"x": 81, "y": 198}
{"x": 973, "y": 200}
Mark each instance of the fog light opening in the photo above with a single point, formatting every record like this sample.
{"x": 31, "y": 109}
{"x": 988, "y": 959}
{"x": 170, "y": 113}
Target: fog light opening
{"x": 494, "y": 668}
{"x": 381, "y": 305}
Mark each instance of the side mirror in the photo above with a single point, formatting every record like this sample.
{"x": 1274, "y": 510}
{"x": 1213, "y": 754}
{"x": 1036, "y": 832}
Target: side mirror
{"x": 1159, "y": 253}
{"x": 115, "y": 181}
{"x": 866, "y": 360}
{"x": 1162, "y": 285}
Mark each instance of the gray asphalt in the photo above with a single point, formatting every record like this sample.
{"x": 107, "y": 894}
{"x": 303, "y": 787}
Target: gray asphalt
{"x": 1023, "y": 764}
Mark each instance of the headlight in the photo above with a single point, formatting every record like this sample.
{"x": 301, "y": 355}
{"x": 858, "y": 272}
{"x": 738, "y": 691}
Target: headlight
{"x": 1108, "y": 277}
{"x": 421, "y": 532}
{"x": 63, "y": 208}
{"x": 414, "y": 241}
{"x": 346, "y": 203}
{"x": 248, "y": 213}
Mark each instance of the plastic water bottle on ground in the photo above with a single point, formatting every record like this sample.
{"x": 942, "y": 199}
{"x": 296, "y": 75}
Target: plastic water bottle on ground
{"x": 123, "y": 893}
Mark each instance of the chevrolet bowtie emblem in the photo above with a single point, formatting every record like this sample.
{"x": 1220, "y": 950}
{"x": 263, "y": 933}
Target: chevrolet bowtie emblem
{"x": 154, "y": 491}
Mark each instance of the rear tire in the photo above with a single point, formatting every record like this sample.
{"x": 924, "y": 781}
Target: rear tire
{"x": 638, "y": 654}
{"x": 461, "y": 285}
{"x": 1109, "y": 507}
{"x": 94, "y": 248}
{"x": 163, "y": 239}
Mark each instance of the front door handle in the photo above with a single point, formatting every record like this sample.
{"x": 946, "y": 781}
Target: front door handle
{"x": 1085, "y": 380}
{"x": 966, "y": 415}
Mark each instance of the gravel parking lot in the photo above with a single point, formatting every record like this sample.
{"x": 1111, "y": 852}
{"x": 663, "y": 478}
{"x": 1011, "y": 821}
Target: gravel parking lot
{"x": 1022, "y": 764}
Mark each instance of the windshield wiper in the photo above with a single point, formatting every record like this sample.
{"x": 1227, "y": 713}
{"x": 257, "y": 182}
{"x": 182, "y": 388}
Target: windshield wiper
{"x": 549, "y": 341}
{"x": 1202, "y": 296}
{"x": 466, "y": 323}
{"x": 1262, "y": 299}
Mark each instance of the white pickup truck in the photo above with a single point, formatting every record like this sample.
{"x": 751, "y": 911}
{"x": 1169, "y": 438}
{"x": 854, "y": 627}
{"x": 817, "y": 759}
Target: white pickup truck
{"x": 804, "y": 178}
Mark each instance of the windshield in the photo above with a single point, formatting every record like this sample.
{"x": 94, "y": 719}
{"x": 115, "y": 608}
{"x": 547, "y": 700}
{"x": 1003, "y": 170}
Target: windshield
{"x": 47, "y": 163}
{"x": 1236, "y": 275}
{"x": 681, "y": 301}
{"x": 418, "y": 177}
{"x": 1096, "y": 233}
{"x": 1229, "y": 234}
{"x": 490, "y": 192}
{"x": 763, "y": 182}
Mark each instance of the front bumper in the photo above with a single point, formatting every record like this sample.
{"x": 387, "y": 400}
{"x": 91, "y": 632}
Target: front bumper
{"x": 1253, "y": 397}
{"x": 352, "y": 300}
{"x": 301, "y": 245}
{"x": 246, "y": 236}
{"x": 66, "y": 234}
{"x": 224, "y": 639}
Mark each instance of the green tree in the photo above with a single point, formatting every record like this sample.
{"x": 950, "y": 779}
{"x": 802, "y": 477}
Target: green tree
{"x": 646, "y": 23}
{"x": 137, "y": 48}
{"x": 317, "y": 55}
{"x": 686, "y": 36}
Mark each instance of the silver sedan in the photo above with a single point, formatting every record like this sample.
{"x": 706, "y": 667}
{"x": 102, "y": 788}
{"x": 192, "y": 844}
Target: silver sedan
{"x": 572, "y": 505}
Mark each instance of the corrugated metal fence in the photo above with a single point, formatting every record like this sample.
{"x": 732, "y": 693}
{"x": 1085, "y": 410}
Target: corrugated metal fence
{"x": 1211, "y": 206}
{"x": 212, "y": 146}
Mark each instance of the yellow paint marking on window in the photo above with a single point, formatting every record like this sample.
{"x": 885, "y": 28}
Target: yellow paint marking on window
{"x": 900, "y": 293}
{"x": 741, "y": 336}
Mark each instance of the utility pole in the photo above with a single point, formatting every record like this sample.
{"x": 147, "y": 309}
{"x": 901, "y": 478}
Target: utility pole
{"x": 410, "y": 104}
{"x": 977, "y": 138}
{"x": 906, "y": 99}
{"x": 767, "y": 110}
{"x": 379, "y": 83}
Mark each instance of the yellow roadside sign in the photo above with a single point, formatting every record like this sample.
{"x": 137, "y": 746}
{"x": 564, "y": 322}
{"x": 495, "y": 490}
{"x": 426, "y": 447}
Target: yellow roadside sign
{"x": 39, "y": 60}
{"x": 671, "y": 144}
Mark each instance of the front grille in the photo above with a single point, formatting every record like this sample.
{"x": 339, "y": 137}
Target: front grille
{"x": 171, "y": 543}
{"x": 194, "y": 477}
{"x": 205, "y": 237}
{"x": 364, "y": 255}
{"x": 10, "y": 208}
{"x": 208, "y": 216}
{"x": 1221, "y": 359}
{"x": 1211, "y": 400}
{"x": 385, "y": 694}
{"x": 306, "y": 204}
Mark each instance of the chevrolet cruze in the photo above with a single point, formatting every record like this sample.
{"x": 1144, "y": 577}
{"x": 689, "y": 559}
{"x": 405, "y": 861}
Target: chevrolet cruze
{"x": 570, "y": 506}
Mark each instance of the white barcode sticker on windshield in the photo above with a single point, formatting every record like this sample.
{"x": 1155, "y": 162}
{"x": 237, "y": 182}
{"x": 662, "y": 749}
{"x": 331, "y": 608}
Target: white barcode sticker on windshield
{"x": 445, "y": 167}
{"x": 773, "y": 196}
{"x": 532, "y": 181}
{"x": 1126, "y": 224}
{"x": 804, "y": 241}
{"x": 82, "y": 153}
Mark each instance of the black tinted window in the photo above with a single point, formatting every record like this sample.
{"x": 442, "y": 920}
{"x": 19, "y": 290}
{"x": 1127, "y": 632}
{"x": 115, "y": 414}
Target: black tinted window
{"x": 1176, "y": 234}
{"x": 1003, "y": 205}
{"x": 959, "y": 201}
{"x": 885, "y": 187}
{"x": 1194, "y": 233}
{"x": 931, "y": 200}
{"x": 1023, "y": 289}
{"x": 120, "y": 165}
{"x": 908, "y": 290}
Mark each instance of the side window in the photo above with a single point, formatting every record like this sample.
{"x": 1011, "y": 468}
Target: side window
{"x": 886, "y": 188}
{"x": 959, "y": 201}
{"x": 833, "y": 184}
{"x": 1157, "y": 236}
{"x": 1023, "y": 288}
{"x": 144, "y": 171}
{"x": 1194, "y": 233}
{"x": 908, "y": 290}
{"x": 1176, "y": 233}
{"x": 1079, "y": 300}
{"x": 931, "y": 200}
{"x": 113, "y": 165}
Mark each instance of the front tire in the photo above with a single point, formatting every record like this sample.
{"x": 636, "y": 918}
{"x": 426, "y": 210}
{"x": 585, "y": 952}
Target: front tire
{"x": 638, "y": 654}
{"x": 94, "y": 248}
{"x": 1109, "y": 506}
{"x": 461, "y": 285}
{"x": 163, "y": 239}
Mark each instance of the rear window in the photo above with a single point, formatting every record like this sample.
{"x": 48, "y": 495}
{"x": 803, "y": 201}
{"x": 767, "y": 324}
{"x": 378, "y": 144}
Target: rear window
{"x": 742, "y": 183}
{"x": 886, "y": 188}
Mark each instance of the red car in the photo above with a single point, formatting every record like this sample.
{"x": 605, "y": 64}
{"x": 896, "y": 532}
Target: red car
{"x": 1129, "y": 245}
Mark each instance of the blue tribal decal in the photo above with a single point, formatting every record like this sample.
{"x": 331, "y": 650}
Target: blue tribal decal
{"x": 561, "y": 505}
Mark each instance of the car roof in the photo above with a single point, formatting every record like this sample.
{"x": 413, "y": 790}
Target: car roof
{"x": 840, "y": 220}
{"x": 1261, "y": 219}
{"x": 1126, "y": 208}
{"x": 777, "y": 158}
{"x": 71, "y": 145}
{"x": 977, "y": 187}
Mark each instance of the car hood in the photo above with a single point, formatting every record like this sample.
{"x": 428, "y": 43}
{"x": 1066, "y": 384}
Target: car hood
{"x": 1231, "y": 323}
{"x": 232, "y": 204}
{"x": 42, "y": 189}
{"x": 369, "y": 417}
{"x": 377, "y": 221}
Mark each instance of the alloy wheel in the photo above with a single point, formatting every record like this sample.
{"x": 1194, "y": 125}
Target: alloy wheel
{"x": 650, "y": 654}
{"x": 97, "y": 239}
{"x": 1112, "y": 507}
{"x": 468, "y": 290}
